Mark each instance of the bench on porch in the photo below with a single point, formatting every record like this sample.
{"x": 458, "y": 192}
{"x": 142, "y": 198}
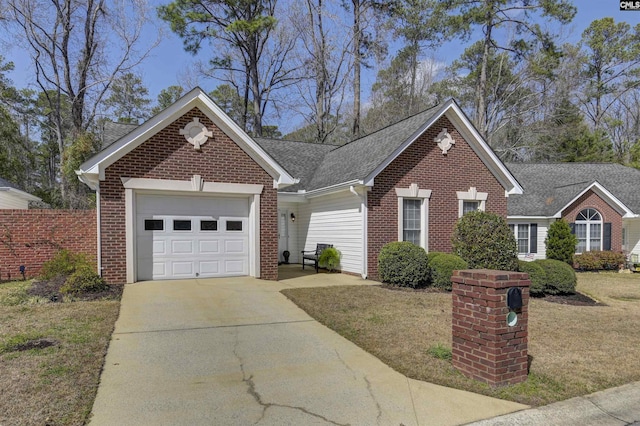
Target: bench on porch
{"x": 314, "y": 255}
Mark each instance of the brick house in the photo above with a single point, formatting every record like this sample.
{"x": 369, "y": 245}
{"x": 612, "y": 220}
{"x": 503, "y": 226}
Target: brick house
{"x": 189, "y": 194}
{"x": 601, "y": 202}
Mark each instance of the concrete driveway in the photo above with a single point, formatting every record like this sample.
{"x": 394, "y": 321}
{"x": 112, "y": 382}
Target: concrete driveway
{"x": 235, "y": 351}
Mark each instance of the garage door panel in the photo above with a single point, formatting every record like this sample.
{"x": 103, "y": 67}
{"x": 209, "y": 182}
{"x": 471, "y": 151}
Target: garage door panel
{"x": 191, "y": 236}
{"x": 182, "y": 247}
{"x": 235, "y": 267}
{"x": 235, "y": 246}
{"x": 209, "y": 247}
{"x": 182, "y": 269}
{"x": 209, "y": 268}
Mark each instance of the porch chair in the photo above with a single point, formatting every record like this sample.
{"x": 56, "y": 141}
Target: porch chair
{"x": 314, "y": 255}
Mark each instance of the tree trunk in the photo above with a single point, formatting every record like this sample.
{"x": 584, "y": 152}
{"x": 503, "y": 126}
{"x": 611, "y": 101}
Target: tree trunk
{"x": 357, "y": 63}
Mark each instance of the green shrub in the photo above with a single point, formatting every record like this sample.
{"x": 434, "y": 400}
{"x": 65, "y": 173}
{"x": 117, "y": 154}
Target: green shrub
{"x": 403, "y": 264}
{"x": 484, "y": 240}
{"x": 599, "y": 260}
{"x": 63, "y": 263}
{"x": 441, "y": 267}
{"x": 329, "y": 258}
{"x": 537, "y": 276}
{"x": 83, "y": 280}
{"x": 560, "y": 242}
{"x": 560, "y": 278}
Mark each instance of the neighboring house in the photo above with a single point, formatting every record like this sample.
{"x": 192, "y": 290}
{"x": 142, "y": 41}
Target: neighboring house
{"x": 601, "y": 202}
{"x": 189, "y": 194}
{"x": 12, "y": 197}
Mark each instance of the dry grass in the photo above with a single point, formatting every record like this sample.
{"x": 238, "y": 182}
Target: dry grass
{"x": 576, "y": 349}
{"x": 55, "y": 385}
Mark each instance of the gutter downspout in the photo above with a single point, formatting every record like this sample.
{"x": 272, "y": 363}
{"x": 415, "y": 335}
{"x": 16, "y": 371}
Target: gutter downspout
{"x": 98, "y": 223}
{"x": 363, "y": 203}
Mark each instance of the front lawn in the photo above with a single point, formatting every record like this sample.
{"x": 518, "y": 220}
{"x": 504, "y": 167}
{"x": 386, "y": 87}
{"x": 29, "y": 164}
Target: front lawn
{"x": 51, "y": 356}
{"x": 576, "y": 350}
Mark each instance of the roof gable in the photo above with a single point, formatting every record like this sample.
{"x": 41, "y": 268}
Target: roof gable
{"x": 552, "y": 187}
{"x": 92, "y": 171}
{"x": 361, "y": 160}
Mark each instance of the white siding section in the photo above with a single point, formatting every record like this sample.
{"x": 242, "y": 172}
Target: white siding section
{"x": 294, "y": 248}
{"x": 10, "y": 201}
{"x": 633, "y": 235}
{"x": 543, "y": 229}
{"x": 333, "y": 219}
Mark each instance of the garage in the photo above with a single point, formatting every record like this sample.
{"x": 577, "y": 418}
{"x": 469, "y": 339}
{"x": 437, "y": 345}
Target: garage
{"x": 186, "y": 236}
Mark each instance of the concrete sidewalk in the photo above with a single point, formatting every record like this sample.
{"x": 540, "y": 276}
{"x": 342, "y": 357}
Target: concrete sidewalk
{"x": 612, "y": 407}
{"x": 237, "y": 352}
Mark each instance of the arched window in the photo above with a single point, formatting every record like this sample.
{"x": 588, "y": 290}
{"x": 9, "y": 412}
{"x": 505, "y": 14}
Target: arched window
{"x": 588, "y": 230}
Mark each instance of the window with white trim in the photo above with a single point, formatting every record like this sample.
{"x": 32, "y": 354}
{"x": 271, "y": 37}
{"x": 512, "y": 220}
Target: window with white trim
{"x": 471, "y": 200}
{"x": 588, "y": 230}
{"x": 413, "y": 215}
{"x": 411, "y": 221}
{"x": 521, "y": 233}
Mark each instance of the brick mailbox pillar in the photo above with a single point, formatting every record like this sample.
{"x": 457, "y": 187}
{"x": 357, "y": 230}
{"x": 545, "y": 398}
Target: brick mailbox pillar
{"x": 485, "y": 346}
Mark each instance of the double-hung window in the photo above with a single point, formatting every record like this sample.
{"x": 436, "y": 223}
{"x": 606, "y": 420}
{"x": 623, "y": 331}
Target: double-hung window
{"x": 526, "y": 235}
{"x": 413, "y": 212}
{"x": 411, "y": 220}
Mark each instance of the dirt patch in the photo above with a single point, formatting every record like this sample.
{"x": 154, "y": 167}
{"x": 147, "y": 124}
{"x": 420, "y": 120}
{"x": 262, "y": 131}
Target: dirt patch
{"x": 35, "y": 344}
{"x": 577, "y": 299}
{"x": 50, "y": 289}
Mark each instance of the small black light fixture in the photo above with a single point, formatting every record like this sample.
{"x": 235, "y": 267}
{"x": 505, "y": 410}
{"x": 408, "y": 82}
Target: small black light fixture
{"x": 22, "y": 271}
{"x": 293, "y": 217}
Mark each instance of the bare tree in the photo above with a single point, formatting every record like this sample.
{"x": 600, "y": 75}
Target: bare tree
{"x": 325, "y": 65}
{"x": 78, "y": 48}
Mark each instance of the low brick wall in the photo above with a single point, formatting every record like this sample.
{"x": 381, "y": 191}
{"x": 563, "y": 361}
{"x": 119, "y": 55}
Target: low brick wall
{"x": 31, "y": 237}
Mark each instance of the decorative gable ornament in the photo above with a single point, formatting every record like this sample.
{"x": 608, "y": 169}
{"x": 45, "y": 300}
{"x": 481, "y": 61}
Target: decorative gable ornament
{"x": 445, "y": 141}
{"x": 196, "y": 133}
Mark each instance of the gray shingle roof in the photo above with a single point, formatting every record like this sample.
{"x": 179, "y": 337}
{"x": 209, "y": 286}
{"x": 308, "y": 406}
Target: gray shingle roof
{"x": 6, "y": 184}
{"x": 550, "y": 187}
{"x": 300, "y": 159}
{"x": 112, "y": 131}
{"x": 320, "y": 166}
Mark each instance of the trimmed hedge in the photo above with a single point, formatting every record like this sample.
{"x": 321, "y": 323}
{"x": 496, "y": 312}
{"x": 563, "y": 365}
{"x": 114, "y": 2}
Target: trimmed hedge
{"x": 599, "y": 260}
{"x": 441, "y": 267}
{"x": 537, "y": 276}
{"x": 560, "y": 278}
{"x": 484, "y": 240}
{"x": 403, "y": 264}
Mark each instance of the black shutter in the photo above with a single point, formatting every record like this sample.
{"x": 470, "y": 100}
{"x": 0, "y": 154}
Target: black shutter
{"x": 533, "y": 238}
{"x": 606, "y": 236}
{"x": 573, "y": 228}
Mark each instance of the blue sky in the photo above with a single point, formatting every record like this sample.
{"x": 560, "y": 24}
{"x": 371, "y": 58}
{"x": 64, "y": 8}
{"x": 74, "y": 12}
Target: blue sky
{"x": 168, "y": 62}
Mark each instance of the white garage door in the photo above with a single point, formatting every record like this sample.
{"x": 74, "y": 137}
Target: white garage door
{"x": 189, "y": 237}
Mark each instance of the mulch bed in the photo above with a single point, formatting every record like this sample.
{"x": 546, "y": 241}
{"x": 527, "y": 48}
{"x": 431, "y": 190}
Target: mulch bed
{"x": 577, "y": 299}
{"x": 50, "y": 289}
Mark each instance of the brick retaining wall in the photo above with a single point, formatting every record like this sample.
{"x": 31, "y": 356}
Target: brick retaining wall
{"x": 31, "y": 237}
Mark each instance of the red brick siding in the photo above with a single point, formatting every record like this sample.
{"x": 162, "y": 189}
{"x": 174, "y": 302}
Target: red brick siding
{"x": 484, "y": 346}
{"x": 592, "y": 200}
{"x": 424, "y": 164}
{"x": 31, "y": 237}
{"x": 167, "y": 155}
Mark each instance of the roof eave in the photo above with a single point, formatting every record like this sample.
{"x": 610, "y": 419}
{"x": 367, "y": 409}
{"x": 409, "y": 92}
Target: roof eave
{"x": 20, "y": 194}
